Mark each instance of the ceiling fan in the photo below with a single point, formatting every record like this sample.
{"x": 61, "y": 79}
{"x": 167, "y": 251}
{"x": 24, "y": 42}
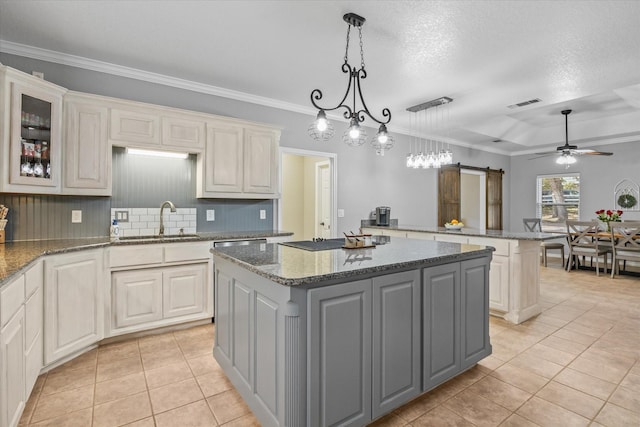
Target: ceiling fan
{"x": 566, "y": 151}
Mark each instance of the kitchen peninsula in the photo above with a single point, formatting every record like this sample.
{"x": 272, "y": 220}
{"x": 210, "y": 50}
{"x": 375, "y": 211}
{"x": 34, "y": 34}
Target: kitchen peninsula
{"x": 344, "y": 336}
{"x": 514, "y": 285}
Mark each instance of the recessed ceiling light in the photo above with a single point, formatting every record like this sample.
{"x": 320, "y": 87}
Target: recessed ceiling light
{"x": 154, "y": 153}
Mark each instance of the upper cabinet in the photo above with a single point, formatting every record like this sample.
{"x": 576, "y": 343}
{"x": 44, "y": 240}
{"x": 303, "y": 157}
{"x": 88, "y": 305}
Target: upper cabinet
{"x": 87, "y": 153}
{"x": 31, "y": 110}
{"x": 240, "y": 161}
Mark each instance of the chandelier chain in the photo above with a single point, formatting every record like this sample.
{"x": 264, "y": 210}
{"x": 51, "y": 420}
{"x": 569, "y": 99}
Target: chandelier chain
{"x": 346, "y": 51}
{"x": 361, "y": 49}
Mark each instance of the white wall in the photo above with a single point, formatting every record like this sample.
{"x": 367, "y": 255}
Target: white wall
{"x": 293, "y": 195}
{"x": 598, "y": 177}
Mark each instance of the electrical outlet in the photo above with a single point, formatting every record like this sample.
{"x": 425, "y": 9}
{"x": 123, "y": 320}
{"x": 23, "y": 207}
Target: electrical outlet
{"x": 76, "y": 216}
{"x": 38, "y": 74}
{"x": 263, "y": 214}
{"x": 340, "y": 213}
{"x": 211, "y": 214}
{"x": 122, "y": 216}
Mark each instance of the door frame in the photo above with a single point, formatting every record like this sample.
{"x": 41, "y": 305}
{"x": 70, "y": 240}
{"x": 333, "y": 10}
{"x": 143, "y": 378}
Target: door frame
{"x": 318, "y": 186}
{"x": 482, "y": 197}
{"x": 333, "y": 172}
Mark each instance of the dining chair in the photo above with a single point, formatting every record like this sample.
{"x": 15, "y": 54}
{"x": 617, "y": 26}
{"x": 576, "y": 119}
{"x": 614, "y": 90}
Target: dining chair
{"x": 583, "y": 241}
{"x": 625, "y": 244}
{"x": 534, "y": 225}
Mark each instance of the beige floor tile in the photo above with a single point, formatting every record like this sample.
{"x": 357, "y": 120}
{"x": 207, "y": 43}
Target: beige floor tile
{"x": 118, "y": 368}
{"x": 83, "y": 361}
{"x": 122, "y": 411}
{"x": 244, "y": 421}
{"x": 565, "y": 313}
{"x": 227, "y": 406}
{"x": 521, "y": 378}
{"x": 80, "y": 418}
{"x": 119, "y": 350}
{"x": 29, "y": 407}
{"x": 422, "y": 404}
{"x": 118, "y": 388}
{"x": 168, "y": 374}
{"x": 171, "y": 396}
{"x": 500, "y": 392}
{"x": 574, "y": 336}
{"x": 613, "y": 415}
{"x": 616, "y": 360}
{"x": 162, "y": 358}
{"x": 65, "y": 402}
{"x": 571, "y": 399}
{"x": 491, "y": 363}
{"x": 207, "y": 330}
{"x": 69, "y": 379}
{"x": 196, "y": 347}
{"x": 551, "y": 320}
{"x": 581, "y": 328}
{"x": 598, "y": 369}
{"x": 196, "y": 414}
{"x": 586, "y": 383}
{"x": 213, "y": 383}
{"x": 627, "y": 398}
{"x": 155, "y": 343}
{"x": 516, "y": 420}
{"x": 537, "y": 365}
{"x": 37, "y": 387}
{"x": 441, "y": 417}
{"x": 203, "y": 365}
{"x": 565, "y": 345}
{"x": 146, "y": 422}
{"x": 477, "y": 409}
{"x": 390, "y": 420}
{"x": 547, "y": 414}
{"x": 632, "y": 382}
{"x": 551, "y": 354}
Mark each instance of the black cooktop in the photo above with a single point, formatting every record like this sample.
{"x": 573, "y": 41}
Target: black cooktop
{"x": 310, "y": 245}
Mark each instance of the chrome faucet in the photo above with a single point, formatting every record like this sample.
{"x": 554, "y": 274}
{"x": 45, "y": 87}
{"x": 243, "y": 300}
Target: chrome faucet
{"x": 173, "y": 209}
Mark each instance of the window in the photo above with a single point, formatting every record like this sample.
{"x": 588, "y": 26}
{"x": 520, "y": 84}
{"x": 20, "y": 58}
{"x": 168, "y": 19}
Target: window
{"x": 557, "y": 200}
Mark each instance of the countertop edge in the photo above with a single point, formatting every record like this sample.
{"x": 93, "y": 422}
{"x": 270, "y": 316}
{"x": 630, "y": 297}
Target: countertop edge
{"x": 470, "y": 232}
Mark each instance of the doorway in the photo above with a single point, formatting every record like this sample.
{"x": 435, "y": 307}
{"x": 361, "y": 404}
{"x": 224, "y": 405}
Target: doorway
{"x": 473, "y": 206}
{"x": 307, "y": 204}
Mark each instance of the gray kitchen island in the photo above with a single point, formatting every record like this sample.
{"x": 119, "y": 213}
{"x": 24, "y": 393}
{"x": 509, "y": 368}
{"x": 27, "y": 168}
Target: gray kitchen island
{"x": 345, "y": 336}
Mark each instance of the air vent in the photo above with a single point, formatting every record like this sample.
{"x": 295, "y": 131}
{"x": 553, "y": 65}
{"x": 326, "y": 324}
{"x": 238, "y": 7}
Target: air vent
{"x": 524, "y": 103}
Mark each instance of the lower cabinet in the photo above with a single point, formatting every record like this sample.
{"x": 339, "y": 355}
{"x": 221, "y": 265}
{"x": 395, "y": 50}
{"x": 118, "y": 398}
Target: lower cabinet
{"x": 73, "y": 309}
{"x": 12, "y": 380}
{"x": 154, "y": 297}
{"x": 34, "y": 325}
{"x": 365, "y": 348}
{"x": 455, "y": 327}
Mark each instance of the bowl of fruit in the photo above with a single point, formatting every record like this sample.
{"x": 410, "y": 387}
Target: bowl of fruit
{"x": 454, "y": 224}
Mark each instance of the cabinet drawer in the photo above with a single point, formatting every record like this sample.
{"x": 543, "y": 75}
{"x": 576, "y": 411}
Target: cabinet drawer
{"x": 135, "y": 255}
{"x": 11, "y": 299}
{"x": 177, "y": 252}
{"x": 33, "y": 279}
{"x": 502, "y": 246}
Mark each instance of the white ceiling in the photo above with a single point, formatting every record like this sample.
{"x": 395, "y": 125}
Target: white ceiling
{"x": 486, "y": 55}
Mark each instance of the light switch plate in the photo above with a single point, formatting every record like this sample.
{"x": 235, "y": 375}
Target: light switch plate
{"x": 211, "y": 214}
{"x": 76, "y": 216}
{"x": 340, "y": 213}
{"x": 263, "y": 214}
{"x": 122, "y": 216}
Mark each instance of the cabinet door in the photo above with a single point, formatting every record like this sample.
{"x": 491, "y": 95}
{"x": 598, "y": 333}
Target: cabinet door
{"x": 223, "y": 159}
{"x": 184, "y": 290}
{"x": 441, "y": 324}
{"x": 136, "y": 297}
{"x": 35, "y": 138}
{"x": 181, "y": 132}
{"x": 33, "y": 350}
{"x": 260, "y": 161}
{"x": 340, "y": 354}
{"x": 499, "y": 283}
{"x": 474, "y": 320}
{"x": 73, "y": 308}
{"x": 87, "y": 153}
{"x": 12, "y": 381}
{"x": 135, "y": 127}
{"x": 396, "y": 340}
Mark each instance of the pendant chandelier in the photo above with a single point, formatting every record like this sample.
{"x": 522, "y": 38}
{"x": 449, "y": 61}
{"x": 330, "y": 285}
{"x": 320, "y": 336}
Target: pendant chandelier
{"x": 322, "y": 130}
{"x": 428, "y": 153}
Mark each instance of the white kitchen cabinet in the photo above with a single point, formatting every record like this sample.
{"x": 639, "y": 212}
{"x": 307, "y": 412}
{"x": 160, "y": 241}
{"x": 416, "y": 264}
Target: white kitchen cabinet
{"x": 30, "y": 141}
{"x": 183, "y": 290}
{"x": 87, "y": 152}
{"x": 136, "y": 297}
{"x": 183, "y": 131}
{"x": 135, "y": 127}
{"x": 12, "y": 380}
{"x": 240, "y": 161}
{"x": 34, "y": 312}
{"x": 73, "y": 309}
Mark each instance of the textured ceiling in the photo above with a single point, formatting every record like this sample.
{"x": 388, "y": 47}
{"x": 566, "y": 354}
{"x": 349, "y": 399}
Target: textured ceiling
{"x": 486, "y": 55}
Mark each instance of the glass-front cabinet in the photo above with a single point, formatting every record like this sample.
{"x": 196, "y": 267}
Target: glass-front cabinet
{"x": 32, "y": 145}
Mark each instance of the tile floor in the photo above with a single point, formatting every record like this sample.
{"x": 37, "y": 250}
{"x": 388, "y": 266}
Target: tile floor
{"x": 576, "y": 364}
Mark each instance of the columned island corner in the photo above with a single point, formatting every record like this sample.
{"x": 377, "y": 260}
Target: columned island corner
{"x": 343, "y": 337}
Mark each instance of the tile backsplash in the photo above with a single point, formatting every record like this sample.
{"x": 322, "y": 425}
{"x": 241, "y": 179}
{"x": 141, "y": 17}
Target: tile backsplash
{"x": 146, "y": 221}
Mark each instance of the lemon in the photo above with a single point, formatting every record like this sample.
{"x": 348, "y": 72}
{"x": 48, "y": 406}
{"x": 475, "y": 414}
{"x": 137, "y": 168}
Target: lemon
{"x": 454, "y": 221}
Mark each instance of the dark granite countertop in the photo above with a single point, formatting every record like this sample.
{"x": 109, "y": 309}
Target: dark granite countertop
{"x": 293, "y": 267}
{"x": 493, "y": 234}
{"x": 17, "y": 256}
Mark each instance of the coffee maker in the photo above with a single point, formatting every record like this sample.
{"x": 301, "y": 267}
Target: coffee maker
{"x": 383, "y": 215}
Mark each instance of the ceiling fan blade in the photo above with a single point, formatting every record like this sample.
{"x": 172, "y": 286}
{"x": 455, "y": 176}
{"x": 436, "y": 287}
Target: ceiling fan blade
{"x": 598, "y": 153}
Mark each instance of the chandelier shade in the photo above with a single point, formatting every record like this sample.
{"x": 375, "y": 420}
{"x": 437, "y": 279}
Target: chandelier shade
{"x": 322, "y": 130}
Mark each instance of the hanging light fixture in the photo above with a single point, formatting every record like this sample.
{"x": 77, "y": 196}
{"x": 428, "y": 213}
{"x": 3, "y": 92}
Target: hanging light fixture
{"x": 438, "y": 153}
{"x": 322, "y": 130}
